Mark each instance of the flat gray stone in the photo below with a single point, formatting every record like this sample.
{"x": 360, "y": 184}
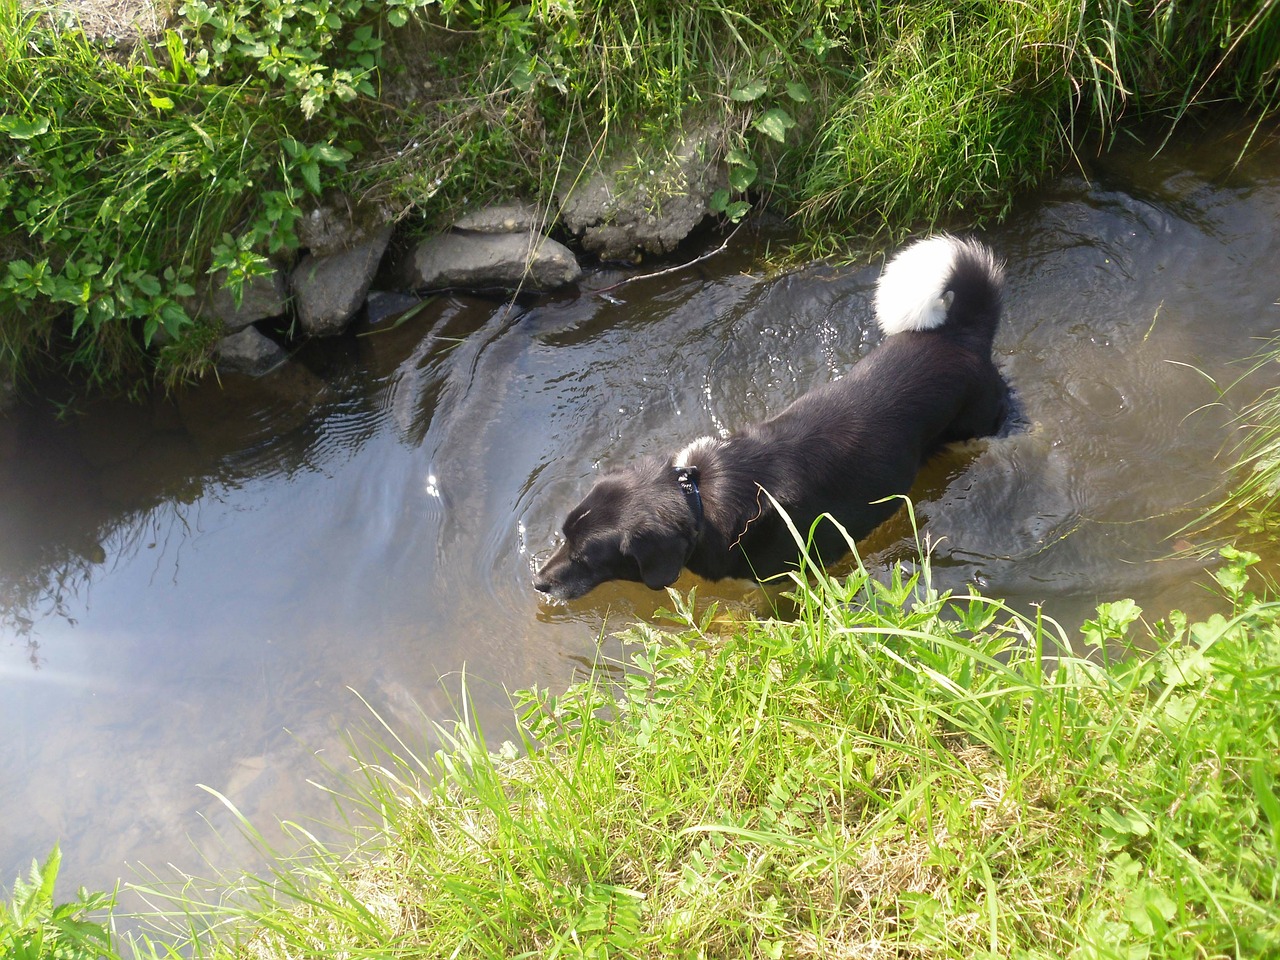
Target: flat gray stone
{"x": 338, "y": 224}
{"x": 249, "y": 352}
{"x": 486, "y": 260}
{"x": 503, "y": 218}
{"x": 263, "y": 297}
{"x": 644, "y": 203}
{"x": 329, "y": 290}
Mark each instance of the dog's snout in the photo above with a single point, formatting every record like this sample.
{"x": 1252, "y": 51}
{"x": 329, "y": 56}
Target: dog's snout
{"x": 549, "y": 587}
{"x": 543, "y": 582}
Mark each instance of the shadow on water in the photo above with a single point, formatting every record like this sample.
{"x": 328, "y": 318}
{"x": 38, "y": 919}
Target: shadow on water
{"x": 191, "y": 591}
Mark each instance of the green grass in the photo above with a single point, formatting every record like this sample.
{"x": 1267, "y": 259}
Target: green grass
{"x": 953, "y": 113}
{"x": 892, "y": 773}
{"x": 122, "y": 176}
{"x": 1247, "y": 512}
{"x": 131, "y": 174}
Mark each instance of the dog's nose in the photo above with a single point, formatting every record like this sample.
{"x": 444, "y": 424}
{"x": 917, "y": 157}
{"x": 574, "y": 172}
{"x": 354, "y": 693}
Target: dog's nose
{"x": 538, "y": 567}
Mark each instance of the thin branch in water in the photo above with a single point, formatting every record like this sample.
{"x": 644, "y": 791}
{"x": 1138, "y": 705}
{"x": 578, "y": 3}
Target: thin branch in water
{"x": 674, "y": 269}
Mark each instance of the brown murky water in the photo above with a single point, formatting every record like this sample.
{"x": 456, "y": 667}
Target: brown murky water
{"x": 191, "y": 592}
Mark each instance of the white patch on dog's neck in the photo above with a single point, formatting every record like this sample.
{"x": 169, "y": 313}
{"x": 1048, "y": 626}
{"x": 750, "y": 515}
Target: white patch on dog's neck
{"x": 701, "y": 445}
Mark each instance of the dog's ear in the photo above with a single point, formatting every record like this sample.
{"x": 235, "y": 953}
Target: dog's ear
{"x": 660, "y": 556}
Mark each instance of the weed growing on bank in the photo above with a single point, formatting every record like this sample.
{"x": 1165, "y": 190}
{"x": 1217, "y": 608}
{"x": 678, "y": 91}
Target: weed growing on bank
{"x": 34, "y": 927}
{"x": 1247, "y": 512}
{"x": 132, "y": 175}
{"x": 892, "y": 773}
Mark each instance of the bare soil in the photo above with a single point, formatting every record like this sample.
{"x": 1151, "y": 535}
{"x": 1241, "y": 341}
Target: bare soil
{"x": 123, "y": 20}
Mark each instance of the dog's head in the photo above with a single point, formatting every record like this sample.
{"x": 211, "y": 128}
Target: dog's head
{"x": 633, "y": 525}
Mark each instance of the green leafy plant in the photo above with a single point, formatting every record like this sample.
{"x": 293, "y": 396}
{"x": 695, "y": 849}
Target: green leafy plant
{"x": 773, "y": 122}
{"x": 34, "y": 927}
{"x": 133, "y": 177}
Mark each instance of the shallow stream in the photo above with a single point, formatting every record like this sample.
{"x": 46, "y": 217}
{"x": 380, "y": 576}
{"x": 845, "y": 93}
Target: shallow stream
{"x": 190, "y": 592}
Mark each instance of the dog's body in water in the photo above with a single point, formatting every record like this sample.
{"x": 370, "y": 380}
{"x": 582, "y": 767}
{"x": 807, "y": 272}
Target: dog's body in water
{"x": 840, "y": 449}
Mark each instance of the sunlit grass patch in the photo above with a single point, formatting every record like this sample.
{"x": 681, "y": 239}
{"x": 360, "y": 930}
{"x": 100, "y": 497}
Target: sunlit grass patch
{"x": 952, "y": 111}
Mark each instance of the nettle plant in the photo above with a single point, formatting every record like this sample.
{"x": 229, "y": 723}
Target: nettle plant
{"x": 127, "y": 178}
{"x": 769, "y": 119}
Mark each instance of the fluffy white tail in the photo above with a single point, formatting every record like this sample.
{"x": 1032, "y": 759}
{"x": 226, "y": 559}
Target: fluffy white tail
{"x": 914, "y": 291}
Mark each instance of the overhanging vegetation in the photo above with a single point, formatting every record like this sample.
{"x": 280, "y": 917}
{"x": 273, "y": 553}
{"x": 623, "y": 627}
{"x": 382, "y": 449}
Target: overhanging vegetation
{"x": 131, "y": 174}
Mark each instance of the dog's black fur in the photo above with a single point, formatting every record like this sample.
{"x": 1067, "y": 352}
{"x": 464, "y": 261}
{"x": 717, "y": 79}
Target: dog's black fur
{"x": 838, "y": 449}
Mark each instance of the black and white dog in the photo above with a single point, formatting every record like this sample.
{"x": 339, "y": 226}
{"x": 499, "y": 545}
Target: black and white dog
{"x": 840, "y": 449}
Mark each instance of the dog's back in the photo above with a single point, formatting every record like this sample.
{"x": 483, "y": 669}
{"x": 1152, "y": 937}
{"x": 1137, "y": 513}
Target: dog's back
{"x": 932, "y": 381}
{"x": 939, "y": 301}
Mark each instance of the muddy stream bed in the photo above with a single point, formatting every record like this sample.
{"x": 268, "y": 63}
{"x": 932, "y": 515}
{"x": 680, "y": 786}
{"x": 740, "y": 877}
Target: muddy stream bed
{"x": 191, "y": 591}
